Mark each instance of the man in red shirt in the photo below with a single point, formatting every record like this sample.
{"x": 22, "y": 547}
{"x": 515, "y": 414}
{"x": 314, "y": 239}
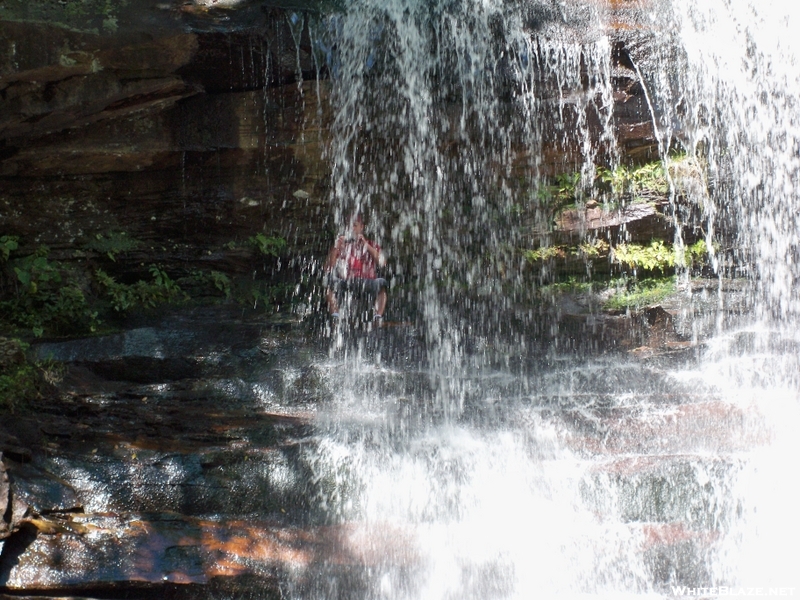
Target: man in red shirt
{"x": 352, "y": 265}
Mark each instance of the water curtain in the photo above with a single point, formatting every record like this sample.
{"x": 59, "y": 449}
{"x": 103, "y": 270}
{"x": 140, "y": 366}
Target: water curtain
{"x": 438, "y": 137}
{"x": 447, "y": 114}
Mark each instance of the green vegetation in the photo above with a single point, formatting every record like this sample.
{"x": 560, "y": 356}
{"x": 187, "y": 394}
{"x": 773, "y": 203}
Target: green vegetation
{"x": 656, "y": 256}
{"x": 638, "y": 181}
{"x": 270, "y": 296}
{"x": 21, "y": 381}
{"x": 79, "y": 15}
{"x": 635, "y": 293}
{"x": 659, "y": 257}
{"x": 113, "y": 243}
{"x": 18, "y": 384}
{"x": 546, "y": 253}
{"x": 39, "y": 294}
{"x": 8, "y": 243}
{"x": 561, "y": 193}
{"x": 622, "y": 293}
{"x": 43, "y": 301}
{"x": 268, "y": 246}
{"x": 586, "y": 250}
{"x": 571, "y": 285}
{"x": 209, "y": 280}
{"x": 142, "y": 294}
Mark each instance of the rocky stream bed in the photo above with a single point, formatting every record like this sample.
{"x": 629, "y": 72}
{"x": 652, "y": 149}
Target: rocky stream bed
{"x": 176, "y": 458}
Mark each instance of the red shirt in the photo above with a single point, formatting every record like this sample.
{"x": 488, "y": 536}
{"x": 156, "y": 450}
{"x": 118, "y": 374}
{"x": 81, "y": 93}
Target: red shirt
{"x": 359, "y": 261}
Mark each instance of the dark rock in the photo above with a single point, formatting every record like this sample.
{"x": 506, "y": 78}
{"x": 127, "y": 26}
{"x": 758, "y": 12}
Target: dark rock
{"x": 643, "y": 221}
{"x": 15, "y": 452}
{"x": 5, "y": 497}
{"x": 41, "y": 491}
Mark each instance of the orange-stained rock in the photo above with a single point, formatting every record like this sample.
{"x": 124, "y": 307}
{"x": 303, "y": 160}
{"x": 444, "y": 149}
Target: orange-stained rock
{"x": 113, "y": 550}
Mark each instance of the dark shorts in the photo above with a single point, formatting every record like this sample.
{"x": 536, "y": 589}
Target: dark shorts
{"x": 357, "y": 285}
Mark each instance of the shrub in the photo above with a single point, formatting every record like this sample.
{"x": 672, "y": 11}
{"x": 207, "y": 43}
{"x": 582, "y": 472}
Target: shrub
{"x": 113, "y": 243}
{"x": 269, "y": 246}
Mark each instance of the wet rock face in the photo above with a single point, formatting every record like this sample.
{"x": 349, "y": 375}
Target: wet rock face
{"x": 183, "y": 125}
{"x": 158, "y": 126}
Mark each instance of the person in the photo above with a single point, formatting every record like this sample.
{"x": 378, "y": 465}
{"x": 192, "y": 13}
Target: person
{"x": 352, "y": 266}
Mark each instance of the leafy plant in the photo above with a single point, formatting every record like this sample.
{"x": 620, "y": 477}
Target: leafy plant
{"x": 8, "y": 243}
{"x": 559, "y": 194}
{"x": 635, "y": 181}
{"x": 271, "y": 295}
{"x": 658, "y": 256}
{"x": 269, "y": 246}
{"x": 221, "y": 282}
{"x": 655, "y": 257}
{"x": 36, "y": 270}
{"x": 213, "y": 279}
{"x": 17, "y": 384}
{"x": 43, "y": 301}
{"x": 693, "y": 254}
{"x": 20, "y": 380}
{"x": 113, "y": 243}
{"x": 146, "y": 294}
{"x": 545, "y": 253}
{"x": 593, "y": 249}
{"x": 589, "y": 250}
{"x": 566, "y": 185}
{"x": 638, "y": 293}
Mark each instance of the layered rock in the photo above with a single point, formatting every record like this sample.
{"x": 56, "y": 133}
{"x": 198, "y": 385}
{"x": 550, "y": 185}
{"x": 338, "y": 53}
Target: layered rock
{"x": 185, "y": 127}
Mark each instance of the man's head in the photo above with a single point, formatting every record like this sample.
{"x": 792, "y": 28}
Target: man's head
{"x": 357, "y": 224}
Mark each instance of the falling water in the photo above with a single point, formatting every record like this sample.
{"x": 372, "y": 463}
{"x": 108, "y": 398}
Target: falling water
{"x": 732, "y": 98}
{"x": 438, "y": 139}
{"x": 476, "y": 470}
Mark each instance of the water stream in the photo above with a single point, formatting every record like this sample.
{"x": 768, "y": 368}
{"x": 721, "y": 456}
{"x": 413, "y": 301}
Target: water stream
{"x": 487, "y": 466}
{"x": 480, "y": 445}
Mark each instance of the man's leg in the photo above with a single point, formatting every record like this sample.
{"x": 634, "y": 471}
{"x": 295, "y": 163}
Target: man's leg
{"x": 333, "y": 305}
{"x": 380, "y": 302}
{"x": 378, "y": 288}
{"x": 335, "y": 288}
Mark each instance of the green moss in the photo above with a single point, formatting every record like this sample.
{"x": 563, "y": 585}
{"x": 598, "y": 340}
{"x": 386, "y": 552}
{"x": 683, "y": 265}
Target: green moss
{"x": 570, "y": 286}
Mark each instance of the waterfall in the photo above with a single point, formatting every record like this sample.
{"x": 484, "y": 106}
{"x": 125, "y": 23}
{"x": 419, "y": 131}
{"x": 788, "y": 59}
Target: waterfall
{"x": 728, "y": 91}
{"x": 438, "y": 138}
{"x": 465, "y": 478}
{"x": 726, "y": 87}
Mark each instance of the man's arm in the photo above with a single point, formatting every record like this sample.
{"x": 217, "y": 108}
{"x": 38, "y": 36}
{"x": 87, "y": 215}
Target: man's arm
{"x": 374, "y": 252}
{"x": 333, "y": 254}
